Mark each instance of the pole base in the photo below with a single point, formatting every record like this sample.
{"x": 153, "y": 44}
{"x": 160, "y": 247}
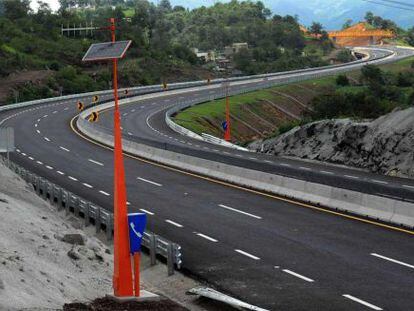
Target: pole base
{"x": 144, "y": 296}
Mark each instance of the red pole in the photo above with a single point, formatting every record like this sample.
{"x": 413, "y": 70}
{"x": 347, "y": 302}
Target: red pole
{"x": 122, "y": 279}
{"x": 137, "y": 259}
{"x": 227, "y": 133}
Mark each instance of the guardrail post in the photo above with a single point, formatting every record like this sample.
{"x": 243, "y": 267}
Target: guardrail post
{"x": 76, "y": 206}
{"x": 170, "y": 259}
{"x": 109, "y": 227}
{"x": 86, "y": 214}
{"x": 98, "y": 220}
{"x": 152, "y": 249}
{"x": 59, "y": 199}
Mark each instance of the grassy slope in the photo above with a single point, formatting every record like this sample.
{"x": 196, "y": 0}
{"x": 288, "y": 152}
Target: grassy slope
{"x": 194, "y": 117}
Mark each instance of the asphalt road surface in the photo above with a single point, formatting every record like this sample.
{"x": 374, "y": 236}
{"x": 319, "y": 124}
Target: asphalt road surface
{"x": 270, "y": 252}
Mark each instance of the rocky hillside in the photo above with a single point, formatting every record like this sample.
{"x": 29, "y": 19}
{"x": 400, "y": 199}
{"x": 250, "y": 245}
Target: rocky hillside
{"x": 384, "y": 145}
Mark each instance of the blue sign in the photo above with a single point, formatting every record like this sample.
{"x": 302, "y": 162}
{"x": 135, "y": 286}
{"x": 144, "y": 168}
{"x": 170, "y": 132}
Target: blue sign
{"x": 136, "y": 225}
{"x": 224, "y": 125}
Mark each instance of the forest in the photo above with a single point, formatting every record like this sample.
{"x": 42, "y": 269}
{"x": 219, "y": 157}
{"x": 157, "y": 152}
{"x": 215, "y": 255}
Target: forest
{"x": 162, "y": 36}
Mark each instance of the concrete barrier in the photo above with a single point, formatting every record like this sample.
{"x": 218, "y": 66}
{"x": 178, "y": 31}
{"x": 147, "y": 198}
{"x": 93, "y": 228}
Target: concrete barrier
{"x": 375, "y": 207}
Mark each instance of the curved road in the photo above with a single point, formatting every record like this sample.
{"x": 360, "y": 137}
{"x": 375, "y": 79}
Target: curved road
{"x": 271, "y": 252}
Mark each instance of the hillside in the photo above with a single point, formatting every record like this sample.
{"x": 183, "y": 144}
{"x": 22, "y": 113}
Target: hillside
{"x": 381, "y": 146}
{"x": 331, "y": 13}
{"x": 162, "y": 36}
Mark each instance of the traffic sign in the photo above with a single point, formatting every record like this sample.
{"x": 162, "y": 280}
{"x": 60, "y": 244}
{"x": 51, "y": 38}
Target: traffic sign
{"x": 80, "y": 106}
{"x": 95, "y": 99}
{"x": 165, "y": 85}
{"x": 126, "y": 92}
{"x": 94, "y": 116}
{"x": 136, "y": 224}
{"x": 224, "y": 125}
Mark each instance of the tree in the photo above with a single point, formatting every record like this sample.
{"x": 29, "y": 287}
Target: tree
{"x": 347, "y": 24}
{"x": 316, "y": 28}
{"x": 342, "y": 80}
{"x": 369, "y": 18}
{"x": 15, "y": 9}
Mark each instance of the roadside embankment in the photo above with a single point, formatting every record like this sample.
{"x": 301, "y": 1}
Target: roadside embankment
{"x": 382, "y": 146}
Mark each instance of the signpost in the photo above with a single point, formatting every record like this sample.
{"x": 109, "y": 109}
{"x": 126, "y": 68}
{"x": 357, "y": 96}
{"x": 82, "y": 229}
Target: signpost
{"x": 7, "y": 141}
{"x": 136, "y": 223}
{"x": 122, "y": 278}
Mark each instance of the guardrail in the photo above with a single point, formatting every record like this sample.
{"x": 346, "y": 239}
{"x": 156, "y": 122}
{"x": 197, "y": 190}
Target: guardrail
{"x": 96, "y": 215}
{"x": 268, "y": 81}
{"x": 140, "y": 90}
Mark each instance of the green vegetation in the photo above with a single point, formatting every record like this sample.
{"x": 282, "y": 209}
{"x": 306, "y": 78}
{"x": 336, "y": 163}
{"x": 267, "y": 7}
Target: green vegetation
{"x": 368, "y": 93}
{"x": 162, "y": 38}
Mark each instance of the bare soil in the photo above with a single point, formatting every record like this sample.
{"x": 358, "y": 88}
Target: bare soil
{"x": 16, "y": 79}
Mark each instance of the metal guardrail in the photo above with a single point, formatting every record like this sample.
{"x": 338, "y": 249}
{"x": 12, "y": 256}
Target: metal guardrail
{"x": 96, "y": 215}
{"x": 265, "y": 82}
{"x": 140, "y": 90}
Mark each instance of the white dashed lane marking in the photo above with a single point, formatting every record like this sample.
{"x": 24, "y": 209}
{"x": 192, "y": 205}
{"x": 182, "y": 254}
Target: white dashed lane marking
{"x": 39, "y": 162}
{"x": 238, "y": 211}
{"x": 104, "y": 193}
{"x": 408, "y": 186}
{"x": 87, "y": 185}
{"x": 327, "y": 172}
{"x": 362, "y": 302}
{"x": 351, "y": 176}
{"x": 149, "y": 182}
{"x": 72, "y": 178}
{"x": 96, "y": 162}
{"x": 60, "y": 173}
{"x": 65, "y": 149}
{"x": 247, "y": 254}
{"x": 49, "y": 167}
{"x": 146, "y": 211}
{"x": 174, "y": 223}
{"x": 47, "y": 139}
{"x": 207, "y": 237}
{"x": 298, "y": 275}
{"x": 392, "y": 260}
{"x": 379, "y": 181}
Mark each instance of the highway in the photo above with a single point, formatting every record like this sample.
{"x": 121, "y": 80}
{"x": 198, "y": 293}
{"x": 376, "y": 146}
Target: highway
{"x": 276, "y": 254}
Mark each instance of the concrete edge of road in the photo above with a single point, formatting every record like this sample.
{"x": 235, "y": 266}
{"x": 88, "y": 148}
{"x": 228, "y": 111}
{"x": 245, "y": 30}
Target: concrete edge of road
{"x": 319, "y": 196}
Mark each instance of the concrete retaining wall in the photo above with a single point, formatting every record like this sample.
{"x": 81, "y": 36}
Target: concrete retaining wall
{"x": 375, "y": 207}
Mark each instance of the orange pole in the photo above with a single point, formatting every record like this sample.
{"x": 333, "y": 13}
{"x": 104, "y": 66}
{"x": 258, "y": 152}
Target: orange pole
{"x": 122, "y": 279}
{"x": 227, "y": 133}
{"x": 137, "y": 260}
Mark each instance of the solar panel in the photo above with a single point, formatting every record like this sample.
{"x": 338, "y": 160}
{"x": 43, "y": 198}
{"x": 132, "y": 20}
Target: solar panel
{"x": 106, "y": 50}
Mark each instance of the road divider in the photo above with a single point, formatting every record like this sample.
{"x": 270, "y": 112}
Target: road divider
{"x": 303, "y": 193}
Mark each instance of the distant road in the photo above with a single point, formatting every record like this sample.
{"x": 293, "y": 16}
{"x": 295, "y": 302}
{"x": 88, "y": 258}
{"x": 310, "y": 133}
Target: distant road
{"x": 270, "y": 252}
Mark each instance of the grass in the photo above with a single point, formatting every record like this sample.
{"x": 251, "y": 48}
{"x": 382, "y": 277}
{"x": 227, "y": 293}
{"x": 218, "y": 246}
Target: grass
{"x": 190, "y": 118}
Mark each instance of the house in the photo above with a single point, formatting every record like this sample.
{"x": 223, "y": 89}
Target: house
{"x": 235, "y": 48}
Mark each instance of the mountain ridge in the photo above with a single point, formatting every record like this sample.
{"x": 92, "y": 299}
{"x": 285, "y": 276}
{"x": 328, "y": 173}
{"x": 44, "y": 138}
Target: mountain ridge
{"x": 331, "y": 13}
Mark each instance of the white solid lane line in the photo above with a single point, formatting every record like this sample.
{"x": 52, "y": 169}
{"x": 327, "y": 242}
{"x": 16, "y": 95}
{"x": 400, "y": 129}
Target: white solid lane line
{"x": 174, "y": 223}
{"x": 104, "y": 193}
{"x": 146, "y": 212}
{"x": 207, "y": 237}
{"x": 72, "y": 178}
{"x": 392, "y": 260}
{"x": 87, "y": 185}
{"x": 369, "y": 305}
{"x": 60, "y": 173}
{"x": 298, "y": 275}
{"x": 247, "y": 254}
{"x": 238, "y": 211}
{"x": 63, "y": 148}
{"x": 96, "y": 162}
{"x": 149, "y": 181}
